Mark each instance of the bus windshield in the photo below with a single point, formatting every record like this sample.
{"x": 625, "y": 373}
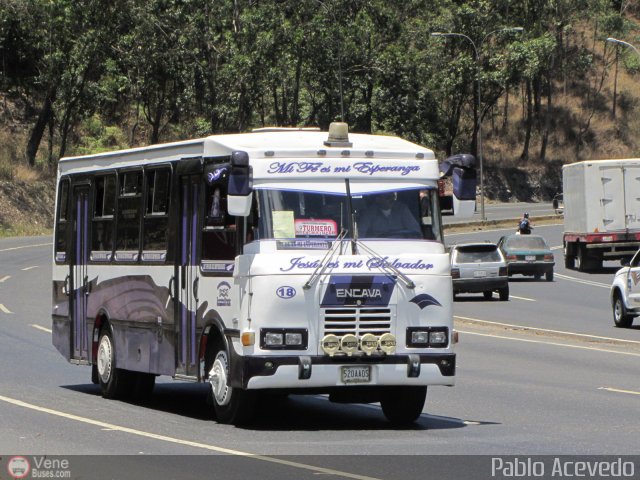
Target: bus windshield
{"x": 289, "y": 214}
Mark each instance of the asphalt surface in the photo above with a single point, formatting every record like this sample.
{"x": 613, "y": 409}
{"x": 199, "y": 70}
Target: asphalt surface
{"x": 518, "y": 392}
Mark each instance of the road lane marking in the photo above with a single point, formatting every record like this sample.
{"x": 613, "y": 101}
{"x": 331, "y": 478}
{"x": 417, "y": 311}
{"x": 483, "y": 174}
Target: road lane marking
{"x": 478, "y": 224}
{"x": 29, "y": 268}
{"x": 546, "y": 330}
{"x": 580, "y": 280}
{"x": 4, "y": 309}
{"x": 619, "y": 390}
{"x": 188, "y": 443}
{"x": 558, "y": 247}
{"x": 5, "y": 278}
{"x": 26, "y": 246}
{"x": 580, "y": 347}
{"x": 39, "y": 327}
{"x": 522, "y": 298}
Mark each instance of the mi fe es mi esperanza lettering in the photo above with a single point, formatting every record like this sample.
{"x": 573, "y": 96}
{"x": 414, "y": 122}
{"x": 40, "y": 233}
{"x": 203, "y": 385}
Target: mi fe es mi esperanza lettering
{"x": 366, "y": 168}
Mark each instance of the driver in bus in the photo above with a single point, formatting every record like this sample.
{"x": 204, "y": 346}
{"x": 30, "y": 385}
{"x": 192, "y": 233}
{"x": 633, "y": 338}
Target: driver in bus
{"x": 388, "y": 217}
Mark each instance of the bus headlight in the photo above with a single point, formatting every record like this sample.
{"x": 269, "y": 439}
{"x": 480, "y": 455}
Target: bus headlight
{"x": 419, "y": 337}
{"x": 427, "y": 337}
{"x": 293, "y": 339}
{"x": 438, "y": 338}
{"x": 273, "y": 339}
{"x": 283, "y": 339}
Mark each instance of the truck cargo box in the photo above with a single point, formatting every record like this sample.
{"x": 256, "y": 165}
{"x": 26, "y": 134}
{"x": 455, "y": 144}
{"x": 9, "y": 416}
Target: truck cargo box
{"x": 601, "y": 211}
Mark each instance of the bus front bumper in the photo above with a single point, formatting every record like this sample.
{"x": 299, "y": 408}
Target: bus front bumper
{"x": 294, "y": 372}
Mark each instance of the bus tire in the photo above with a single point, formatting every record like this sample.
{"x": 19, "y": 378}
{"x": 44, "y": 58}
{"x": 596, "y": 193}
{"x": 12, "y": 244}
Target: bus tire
{"x": 94, "y": 374}
{"x": 231, "y": 405}
{"x": 114, "y": 382}
{"x": 403, "y": 405}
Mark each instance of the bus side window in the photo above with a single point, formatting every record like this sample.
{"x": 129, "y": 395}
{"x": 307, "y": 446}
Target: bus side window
{"x": 104, "y": 204}
{"x": 62, "y": 221}
{"x": 219, "y": 233}
{"x": 129, "y": 210}
{"x": 156, "y": 212}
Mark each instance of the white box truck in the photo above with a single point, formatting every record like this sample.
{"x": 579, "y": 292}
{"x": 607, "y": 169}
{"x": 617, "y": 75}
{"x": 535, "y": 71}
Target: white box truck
{"x": 601, "y": 212}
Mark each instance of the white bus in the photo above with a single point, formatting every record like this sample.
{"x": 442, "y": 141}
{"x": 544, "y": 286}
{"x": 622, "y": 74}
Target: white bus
{"x": 273, "y": 261}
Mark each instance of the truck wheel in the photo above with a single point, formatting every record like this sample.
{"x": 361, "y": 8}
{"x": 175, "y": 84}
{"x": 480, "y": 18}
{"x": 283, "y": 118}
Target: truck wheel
{"x": 569, "y": 258}
{"x": 582, "y": 261}
{"x": 114, "y": 382}
{"x": 569, "y": 261}
{"x": 620, "y": 316}
{"x": 549, "y": 276}
{"x": 231, "y": 405}
{"x": 403, "y": 405}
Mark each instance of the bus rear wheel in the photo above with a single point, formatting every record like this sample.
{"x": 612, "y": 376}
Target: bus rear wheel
{"x": 403, "y": 405}
{"x": 114, "y": 382}
{"x": 231, "y": 405}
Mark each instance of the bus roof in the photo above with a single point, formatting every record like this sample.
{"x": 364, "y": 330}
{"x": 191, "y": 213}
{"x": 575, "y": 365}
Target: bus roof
{"x": 270, "y": 144}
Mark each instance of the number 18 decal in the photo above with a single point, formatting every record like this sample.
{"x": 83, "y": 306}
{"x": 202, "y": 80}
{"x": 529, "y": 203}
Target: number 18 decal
{"x": 286, "y": 292}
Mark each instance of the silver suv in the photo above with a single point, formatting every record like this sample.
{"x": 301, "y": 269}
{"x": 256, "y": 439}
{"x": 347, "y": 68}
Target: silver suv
{"x": 479, "y": 267}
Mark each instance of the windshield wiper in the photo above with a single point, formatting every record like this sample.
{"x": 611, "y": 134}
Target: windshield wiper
{"x": 325, "y": 260}
{"x": 352, "y": 219}
{"x": 387, "y": 267}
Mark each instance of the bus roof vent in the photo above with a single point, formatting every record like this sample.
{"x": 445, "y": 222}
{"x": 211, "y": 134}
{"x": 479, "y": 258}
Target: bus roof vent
{"x": 338, "y": 135}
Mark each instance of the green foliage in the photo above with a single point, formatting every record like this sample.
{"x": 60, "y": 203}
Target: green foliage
{"x": 103, "y": 75}
{"x": 97, "y": 137}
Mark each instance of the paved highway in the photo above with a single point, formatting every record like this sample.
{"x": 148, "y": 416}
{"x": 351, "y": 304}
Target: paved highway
{"x": 502, "y": 211}
{"x": 518, "y": 392}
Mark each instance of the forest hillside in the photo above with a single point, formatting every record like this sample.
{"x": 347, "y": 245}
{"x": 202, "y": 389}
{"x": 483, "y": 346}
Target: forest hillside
{"x": 535, "y": 81}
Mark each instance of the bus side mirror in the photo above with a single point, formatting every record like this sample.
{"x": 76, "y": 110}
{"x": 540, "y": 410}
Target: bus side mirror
{"x": 239, "y": 193}
{"x": 462, "y": 169}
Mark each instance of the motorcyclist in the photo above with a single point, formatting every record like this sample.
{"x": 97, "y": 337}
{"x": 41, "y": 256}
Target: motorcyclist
{"x": 525, "y": 226}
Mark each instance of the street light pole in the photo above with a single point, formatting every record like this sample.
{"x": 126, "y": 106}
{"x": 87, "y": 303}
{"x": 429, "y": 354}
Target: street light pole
{"x": 479, "y": 103}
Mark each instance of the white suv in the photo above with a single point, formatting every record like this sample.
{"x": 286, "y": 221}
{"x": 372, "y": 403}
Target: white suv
{"x": 625, "y": 293}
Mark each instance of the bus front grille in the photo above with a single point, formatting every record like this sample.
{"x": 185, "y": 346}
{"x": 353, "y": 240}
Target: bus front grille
{"x": 357, "y": 321}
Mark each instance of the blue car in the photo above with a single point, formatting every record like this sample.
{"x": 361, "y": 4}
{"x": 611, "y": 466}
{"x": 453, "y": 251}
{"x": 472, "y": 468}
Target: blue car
{"x": 527, "y": 255}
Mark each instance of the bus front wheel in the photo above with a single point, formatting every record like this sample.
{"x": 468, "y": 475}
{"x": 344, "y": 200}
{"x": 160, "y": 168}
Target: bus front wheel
{"x": 403, "y": 405}
{"x": 232, "y": 405}
{"x": 114, "y": 382}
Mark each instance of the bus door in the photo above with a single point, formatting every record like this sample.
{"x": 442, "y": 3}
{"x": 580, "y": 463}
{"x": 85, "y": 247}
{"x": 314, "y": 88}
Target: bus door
{"x": 79, "y": 280}
{"x": 188, "y": 277}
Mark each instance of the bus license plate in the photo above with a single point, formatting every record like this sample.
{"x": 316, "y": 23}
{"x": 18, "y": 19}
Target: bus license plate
{"x": 356, "y": 374}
